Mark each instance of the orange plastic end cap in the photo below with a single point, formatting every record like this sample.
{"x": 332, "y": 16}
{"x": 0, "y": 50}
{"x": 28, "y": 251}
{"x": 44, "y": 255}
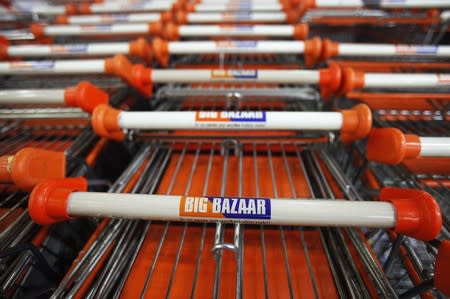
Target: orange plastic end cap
{"x": 3, "y": 51}
{"x": 71, "y": 9}
{"x": 156, "y": 29}
{"x": 418, "y": 215}
{"x": 5, "y": 168}
{"x": 120, "y": 66}
{"x": 171, "y": 32}
{"x": 105, "y": 121}
{"x": 391, "y": 146}
{"x": 305, "y": 5}
{"x": 48, "y": 200}
{"x": 189, "y": 7}
{"x": 181, "y": 17}
{"x": 351, "y": 80}
{"x": 31, "y": 166}
{"x": 329, "y": 49}
{"x": 301, "y": 31}
{"x": 4, "y": 41}
{"x": 85, "y": 95}
{"x": 442, "y": 268}
{"x": 84, "y": 8}
{"x": 161, "y": 50}
{"x": 62, "y": 20}
{"x": 291, "y": 15}
{"x": 357, "y": 123}
{"x": 141, "y": 48}
{"x": 313, "y": 48}
{"x": 142, "y": 77}
{"x": 37, "y": 30}
{"x": 166, "y": 16}
{"x": 330, "y": 80}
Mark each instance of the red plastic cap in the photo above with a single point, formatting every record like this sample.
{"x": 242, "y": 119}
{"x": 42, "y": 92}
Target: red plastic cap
{"x": 120, "y": 66}
{"x": 105, "y": 121}
{"x": 48, "y": 200}
{"x": 71, "y": 9}
{"x": 37, "y": 30}
{"x": 171, "y": 32}
{"x": 31, "y": 166}
{"x": 84, "y": 8}
{"x": 181, "y": 17}
{"x": 3, "y": 52}
{"x": 85, "y": 95}
{"x": 418, "y": 215}
{"x": 356, "y": 123}
{"x": 305, "y": 5}
{"x": 329, "y": 49}
{"x": 161, "y": 50}
{"x": 291, "y": 16}
{"x": 330, "y": 80}
{"x": 351, "y": 80}
{"x": 156, "y": 29}
{"x": 391, "y": 146}
{"x": 62, "y": 20}
{"x": 140, "y": 48}
{"x": 312, "y": 52}
{"x": 442, "y": 268}
{"x": 166, "y": 16}
{"x": 301, "y": 31}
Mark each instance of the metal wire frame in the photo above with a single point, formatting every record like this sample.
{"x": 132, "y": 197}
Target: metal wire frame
{"x": 154, "y": 259}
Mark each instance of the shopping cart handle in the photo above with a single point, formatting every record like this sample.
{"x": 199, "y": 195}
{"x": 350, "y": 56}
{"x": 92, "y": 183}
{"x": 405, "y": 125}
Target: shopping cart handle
{"x": 442, "y": 268}
{"x": 410, "y": 212}
{"x": 86, "y": 96}
{"x": 31, "y": 166}
{"x": 418, "y": 214}
{"x": 48, "y": 200}
{"x": 391, "y": 146}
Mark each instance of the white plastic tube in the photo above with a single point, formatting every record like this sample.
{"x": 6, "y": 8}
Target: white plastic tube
{"x": 229, "y": 120}
{"x": 392, "y": 50}
{"x": 434, "y": 146}
{"x": 48, "y": 10}
{"x": 238, "y": 6}
{"x": 114, "y": 18}
{"x": 387, "y": 80}
{"x": 281, "y": 47}
{"x": 126, "y": 7}
{"x": 236, "y": 17}
{"x": 32, "y": 96}
{"x": 244, "y": 210}
{"x": 94, "y": 66}
{"x": 68, "y": 50}
{"x": 263, "y": 76}
{"x": 126, "y": 28}
{"x": 385, "y": 3}
{"x": 236, "y": 30}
